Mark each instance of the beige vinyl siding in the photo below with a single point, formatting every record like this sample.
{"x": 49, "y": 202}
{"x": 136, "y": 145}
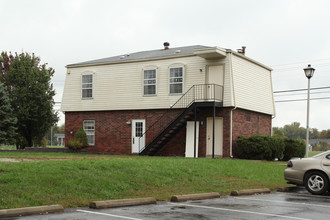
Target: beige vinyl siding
{"x": 120, "y": 86}
{"x": 252, "y": 85}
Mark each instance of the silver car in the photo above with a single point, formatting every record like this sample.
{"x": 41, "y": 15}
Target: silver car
{"x": 313, "y": 172}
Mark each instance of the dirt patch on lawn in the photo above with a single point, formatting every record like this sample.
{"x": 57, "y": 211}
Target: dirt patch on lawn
{"x": 15, "y": 160}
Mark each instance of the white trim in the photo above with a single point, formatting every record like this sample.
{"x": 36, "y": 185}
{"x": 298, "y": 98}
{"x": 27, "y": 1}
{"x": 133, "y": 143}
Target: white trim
{"x": 90, "y": 130}
{"x": 86, "y": 73}
{"x": 173, "y": 66}
{"x": 156, "y": 84}
{"x": 136, "y": 146}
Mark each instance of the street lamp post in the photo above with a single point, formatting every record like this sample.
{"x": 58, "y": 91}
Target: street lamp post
{"x": 309, "y": 71}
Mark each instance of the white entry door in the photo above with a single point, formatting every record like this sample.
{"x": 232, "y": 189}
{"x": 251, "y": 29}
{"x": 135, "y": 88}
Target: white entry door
{"x": 218, "y": 143}
{"x": 190, "y": 138}
{"x": 138, "y": 140}
{"x": 214, "y": 76}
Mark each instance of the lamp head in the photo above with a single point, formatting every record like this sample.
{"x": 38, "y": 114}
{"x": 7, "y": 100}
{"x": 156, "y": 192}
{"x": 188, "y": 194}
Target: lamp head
{"x": 309, "y": 71}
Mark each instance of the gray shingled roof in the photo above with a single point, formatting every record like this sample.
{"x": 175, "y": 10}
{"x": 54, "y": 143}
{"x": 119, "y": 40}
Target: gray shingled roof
{"x": 152, "y": 54}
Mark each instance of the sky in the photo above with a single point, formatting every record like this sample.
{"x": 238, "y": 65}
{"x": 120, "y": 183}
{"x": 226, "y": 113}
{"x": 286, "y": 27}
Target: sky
{"x": 285, "y": 35}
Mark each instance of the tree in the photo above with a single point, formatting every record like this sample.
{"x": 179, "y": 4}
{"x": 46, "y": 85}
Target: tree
{"x": 314, "y": 133}
{"x": 324, "y": 134}
{"x": 278, "y": 132}
{"x": 8, "y": 120}
{"x": 294, "y": 131}
{"x": 31, "y": 95}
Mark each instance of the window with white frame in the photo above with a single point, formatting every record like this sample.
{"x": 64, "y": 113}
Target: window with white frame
{"x": 176, "y": 80}
{"x": 87, "y": 86}
{"x": 149, "y": 82}
{"x": 89, "y": 128}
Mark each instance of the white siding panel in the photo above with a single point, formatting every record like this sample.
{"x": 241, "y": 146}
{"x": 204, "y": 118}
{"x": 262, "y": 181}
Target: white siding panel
{"x": 120, "y": 86}
{"x": 252, "y": 86}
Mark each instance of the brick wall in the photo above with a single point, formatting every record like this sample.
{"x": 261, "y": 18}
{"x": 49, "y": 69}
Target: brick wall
{"x": 113, "y": 135}
{"x": 246, "y": 123}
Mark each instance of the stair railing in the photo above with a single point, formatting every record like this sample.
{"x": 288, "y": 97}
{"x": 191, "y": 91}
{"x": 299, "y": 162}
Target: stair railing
{"x": 196, "y": 93}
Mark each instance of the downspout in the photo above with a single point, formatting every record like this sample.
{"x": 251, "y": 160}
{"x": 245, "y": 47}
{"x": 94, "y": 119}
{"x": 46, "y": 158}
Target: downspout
{"x": 274, "y": 110}
{"x": 235, "y": 106}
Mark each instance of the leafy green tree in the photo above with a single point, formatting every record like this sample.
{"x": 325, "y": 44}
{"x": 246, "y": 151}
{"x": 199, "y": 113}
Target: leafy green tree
{"x": 278, "y": 132}
{"x": 324, "y": 134}
{"x": 8, "y": 120}
{"x": 294, "y": 131}
{"x": 324, "y": 146}
{"x": 31, "y": 94}
{"x": 314, "y": 133}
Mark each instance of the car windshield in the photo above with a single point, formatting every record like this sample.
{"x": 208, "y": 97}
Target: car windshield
{"x": 321, "y": 154}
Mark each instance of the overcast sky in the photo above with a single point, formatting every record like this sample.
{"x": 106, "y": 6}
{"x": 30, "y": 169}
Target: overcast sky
{"x": 285, "y": 35}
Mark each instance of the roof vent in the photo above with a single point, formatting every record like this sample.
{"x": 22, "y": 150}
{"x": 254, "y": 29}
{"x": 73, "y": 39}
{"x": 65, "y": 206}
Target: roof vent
{"x": 166, "y": 45}
{"x": 242, "y": 51}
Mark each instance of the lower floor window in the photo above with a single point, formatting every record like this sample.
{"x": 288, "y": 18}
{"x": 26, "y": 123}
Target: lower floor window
{"x": 89, "y": 128}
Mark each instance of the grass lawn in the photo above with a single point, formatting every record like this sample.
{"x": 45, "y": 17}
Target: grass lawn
{"x": 74, "y": 180}
{"x": 313, "y": 153}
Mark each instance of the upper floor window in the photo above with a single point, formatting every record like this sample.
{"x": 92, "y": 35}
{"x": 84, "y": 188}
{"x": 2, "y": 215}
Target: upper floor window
{"x": 89, "y": 128}
{"x": 176, "y": 80}
{"x": 149, "y": 82}
{"x": 87, "y": 86}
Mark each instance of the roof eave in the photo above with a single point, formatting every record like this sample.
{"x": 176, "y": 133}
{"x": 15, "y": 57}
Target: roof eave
{"x": 211, "y": 53}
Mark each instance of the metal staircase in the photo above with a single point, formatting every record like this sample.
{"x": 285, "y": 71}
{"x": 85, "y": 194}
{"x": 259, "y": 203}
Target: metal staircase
{"x": 183, "y": 110}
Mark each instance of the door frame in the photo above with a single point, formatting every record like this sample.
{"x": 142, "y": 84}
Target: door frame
{"x": 218, "y": 151}
{"x": 135, "y": 140}
{"x": 207, "y": 75}
{"x": 190, "y": 131}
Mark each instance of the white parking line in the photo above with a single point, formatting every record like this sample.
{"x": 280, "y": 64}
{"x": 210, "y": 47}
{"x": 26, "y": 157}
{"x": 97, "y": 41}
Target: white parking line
{"x": 241, "y": 211}
{"x": 276, "y": 201}
{"x": 106, "y": 214}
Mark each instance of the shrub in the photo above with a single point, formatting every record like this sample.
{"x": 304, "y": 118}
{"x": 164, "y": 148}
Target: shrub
{"x": 260, "y": 147}
{"x": 79, "y": 141}
{"x": 254, "y": 147}
{"x": 74, "y": 144}
{"x": 277, "y": 147}
{"x": 82, "y": 137}
{"x": 293, "y": 148}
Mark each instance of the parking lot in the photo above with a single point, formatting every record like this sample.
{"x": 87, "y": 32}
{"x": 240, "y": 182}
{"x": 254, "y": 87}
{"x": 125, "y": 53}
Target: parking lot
{"x": 277, "y": 205}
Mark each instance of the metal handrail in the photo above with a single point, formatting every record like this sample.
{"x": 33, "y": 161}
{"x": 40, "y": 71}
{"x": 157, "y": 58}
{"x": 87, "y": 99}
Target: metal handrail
{"x": 196, "y": 93}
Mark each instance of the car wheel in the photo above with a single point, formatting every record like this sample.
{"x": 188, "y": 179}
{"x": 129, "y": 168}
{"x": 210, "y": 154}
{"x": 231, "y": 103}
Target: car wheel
{"x": 316, "y": 183}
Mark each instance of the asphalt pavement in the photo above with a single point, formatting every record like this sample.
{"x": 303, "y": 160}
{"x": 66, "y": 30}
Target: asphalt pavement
{"x": 298, "y": 204}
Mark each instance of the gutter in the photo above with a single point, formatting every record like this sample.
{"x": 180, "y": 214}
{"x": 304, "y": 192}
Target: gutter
{"x": 274, "y": 116}
{"x": 235, "y": 106}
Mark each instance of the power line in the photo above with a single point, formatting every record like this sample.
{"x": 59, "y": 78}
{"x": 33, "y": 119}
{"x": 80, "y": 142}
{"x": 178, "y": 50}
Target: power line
{"x": 296, "y": 90}
{"x": 312, "y": 93}
{"x": 297, "y": 100}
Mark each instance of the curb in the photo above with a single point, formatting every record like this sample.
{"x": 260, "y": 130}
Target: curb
{"x": 121, "y": 203}
{"x": 31, "y": 211}
{"x": 249, "y": 192}
{"x": 183, "y": 198}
